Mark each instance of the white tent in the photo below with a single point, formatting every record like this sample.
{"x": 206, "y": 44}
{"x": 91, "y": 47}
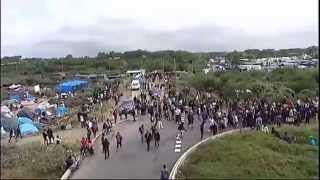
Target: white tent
{"x": 5, "y": 109}
{"x": 37, "y": 88}
{"x": 14, "y": 86}
{"x": 5, "y": 112}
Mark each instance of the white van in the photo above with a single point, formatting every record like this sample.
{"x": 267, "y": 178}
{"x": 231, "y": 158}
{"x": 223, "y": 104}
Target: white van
{"x": 135, "y": 84}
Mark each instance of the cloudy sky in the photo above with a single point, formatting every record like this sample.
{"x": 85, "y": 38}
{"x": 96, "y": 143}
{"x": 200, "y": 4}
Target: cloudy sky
{"x": 54, "y": 28}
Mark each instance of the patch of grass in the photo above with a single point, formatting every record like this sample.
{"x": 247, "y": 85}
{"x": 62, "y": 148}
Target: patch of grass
{"x": 252, "y": 155}
{"x": 34, "y": 161}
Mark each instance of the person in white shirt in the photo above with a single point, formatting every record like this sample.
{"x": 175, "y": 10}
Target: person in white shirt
{"x": 265, "y": 129}
{"x": 178, "y": 115}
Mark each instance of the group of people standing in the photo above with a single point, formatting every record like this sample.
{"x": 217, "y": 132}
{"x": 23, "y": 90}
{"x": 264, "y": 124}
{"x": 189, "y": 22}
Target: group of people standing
{"x": 106, "y": 144}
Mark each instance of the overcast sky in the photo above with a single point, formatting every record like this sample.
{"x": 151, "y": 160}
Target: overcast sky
{"x": 54, "y": 28}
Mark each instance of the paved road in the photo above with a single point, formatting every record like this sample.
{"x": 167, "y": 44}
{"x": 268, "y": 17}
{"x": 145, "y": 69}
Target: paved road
{"x": 133, "y": 160}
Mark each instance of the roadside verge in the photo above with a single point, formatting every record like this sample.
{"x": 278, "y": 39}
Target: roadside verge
{"x": 182, "y": 158}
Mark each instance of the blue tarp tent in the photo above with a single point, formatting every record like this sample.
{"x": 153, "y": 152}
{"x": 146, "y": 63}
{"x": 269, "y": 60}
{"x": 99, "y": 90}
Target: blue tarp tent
{"x": 19, "y": 97}
{"x": 15, "y": 97}
{"x": 24, "y": 120}
{"x": 61, "y": 111}
{"x": 28, "y": 129}
{"x": 71, "y": 86}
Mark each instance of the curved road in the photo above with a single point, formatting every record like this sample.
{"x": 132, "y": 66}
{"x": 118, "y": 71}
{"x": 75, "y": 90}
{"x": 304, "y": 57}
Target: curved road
{"x": 133, "y": 160}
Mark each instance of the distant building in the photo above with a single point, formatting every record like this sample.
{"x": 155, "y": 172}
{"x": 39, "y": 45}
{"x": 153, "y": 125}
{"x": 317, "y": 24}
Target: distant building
{"x": 249, "y": 67}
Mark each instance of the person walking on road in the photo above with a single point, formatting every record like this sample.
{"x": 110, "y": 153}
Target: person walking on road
{"x": 105, "y": 146}
{"x": 89, "y": 134}
{"x": 202, "y": 129}
{"x": 141, "y": 131}
{"x": 190, "y": 119}
{"x": 164, "y": 175}
{"x": 148, "y": 137}
{"x": 134, "y": 115}
{"x": 115, "y": 115}
{"x": 156, "y": 139}
{"x": 119, "y": 141}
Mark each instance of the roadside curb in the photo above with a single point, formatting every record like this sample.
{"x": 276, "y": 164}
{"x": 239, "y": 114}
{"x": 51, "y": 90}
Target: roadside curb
{"x": 68, "y": 172}
{"x": 182, "y": 158}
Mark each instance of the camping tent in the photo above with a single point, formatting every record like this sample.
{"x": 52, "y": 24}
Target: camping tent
{"x": 9, "y": 102}
{"x": 9, "y": 123}
{"x": 71, "y": 86}
{"x": 61, "y": 111}
{"x": 24, "y": 120}
{"x": 24, "y": 112}
{"x": 28, "y": 129}
{"x": 5, "y": 111}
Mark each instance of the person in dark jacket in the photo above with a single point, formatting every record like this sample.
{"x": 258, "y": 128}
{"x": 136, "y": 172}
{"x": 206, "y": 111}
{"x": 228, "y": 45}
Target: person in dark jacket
{"x": 105, "y": 146}
{"x": 50, "y": 135}
{"x": 134, "y": 115}
{"x": 148, "y": 138}
{"x": 202, "y": 129}
{"x": 119, "y": 141}
{"x": 18, "y": 133}
{"x": 45, "y": 137}
{"x": 89, "y": 134}
{"x": 11, "y": 133}
{"x": 164, "y": 175}
{"x": 156, "y": 139}
{"x": 141, "y": 131}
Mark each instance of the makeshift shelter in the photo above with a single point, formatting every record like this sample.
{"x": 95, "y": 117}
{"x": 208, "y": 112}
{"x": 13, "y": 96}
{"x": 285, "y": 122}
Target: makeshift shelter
{"x": 28, "y": 129}
{"x": 24, "y": 120}
{"x": 15, "y": 97}
{"x": 71, "y": 86}
{"x": 9, "y": 102}
{"x": 5, "y": 111}
{"x": 9, "y": 123}
{"x": 61, "y": 111}
{"x": 21, "y": 95}
{"x": 24, "y": 112}
{"x": 14, "y": 86}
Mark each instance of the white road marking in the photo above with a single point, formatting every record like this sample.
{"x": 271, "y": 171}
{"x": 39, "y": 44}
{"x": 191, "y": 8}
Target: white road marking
{"x": 178, "y": 145}
{"x": 178, "y": 142}
{"x": 177, "y": 150}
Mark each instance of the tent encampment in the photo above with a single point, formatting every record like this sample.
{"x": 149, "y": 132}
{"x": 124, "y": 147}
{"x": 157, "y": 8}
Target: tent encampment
{"x": 28, "y": 129}
{"x": 71, "y": 86}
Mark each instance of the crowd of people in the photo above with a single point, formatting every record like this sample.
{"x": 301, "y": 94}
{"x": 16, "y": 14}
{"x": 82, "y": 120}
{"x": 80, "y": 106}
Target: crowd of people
{"x": 184, "y": 107}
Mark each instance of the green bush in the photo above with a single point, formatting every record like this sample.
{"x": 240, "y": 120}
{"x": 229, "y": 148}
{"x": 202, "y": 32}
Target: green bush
{"x": 274, "y": 85}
